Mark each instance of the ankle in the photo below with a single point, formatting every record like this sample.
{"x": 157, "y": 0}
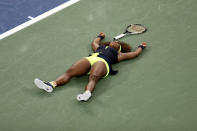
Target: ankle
{"x": 88, "y": 92}
{"x": 53, "y": 83}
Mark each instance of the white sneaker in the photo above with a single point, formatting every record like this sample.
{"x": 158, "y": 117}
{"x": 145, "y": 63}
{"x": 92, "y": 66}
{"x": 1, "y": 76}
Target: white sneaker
{"x": 43, "y": 85}
{"x": 85, "y": 96}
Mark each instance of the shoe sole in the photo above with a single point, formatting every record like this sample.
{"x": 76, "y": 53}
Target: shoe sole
{"x": 41, "y": 85}
{"x": 79, "y": 98}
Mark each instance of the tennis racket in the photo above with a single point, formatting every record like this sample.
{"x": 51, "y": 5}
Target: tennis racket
{"x": 132, "y": 29}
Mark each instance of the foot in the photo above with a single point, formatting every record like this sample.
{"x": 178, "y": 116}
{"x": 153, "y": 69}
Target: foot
{"x": 43, "y": 85}
{"x": 85, "y": 96}
{"x": 144, "y": 44}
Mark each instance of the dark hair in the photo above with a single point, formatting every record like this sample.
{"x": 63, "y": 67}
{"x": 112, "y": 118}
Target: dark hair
{"x": 124, "y": 46}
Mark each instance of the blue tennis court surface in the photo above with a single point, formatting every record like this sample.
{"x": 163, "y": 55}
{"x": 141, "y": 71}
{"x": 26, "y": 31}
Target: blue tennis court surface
{"x": 14, "y": 13}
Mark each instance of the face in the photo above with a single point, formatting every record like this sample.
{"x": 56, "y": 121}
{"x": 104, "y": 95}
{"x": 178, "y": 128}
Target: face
{"x": 115, "y": 45}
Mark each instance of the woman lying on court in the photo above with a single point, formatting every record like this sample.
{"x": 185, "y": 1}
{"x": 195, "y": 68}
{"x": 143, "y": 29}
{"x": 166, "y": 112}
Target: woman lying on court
{"x": 97, "y": 65}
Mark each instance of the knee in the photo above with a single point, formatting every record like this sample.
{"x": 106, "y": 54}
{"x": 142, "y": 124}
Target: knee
{"x": 70, "y": 72}
{"x": 94, "y": 78}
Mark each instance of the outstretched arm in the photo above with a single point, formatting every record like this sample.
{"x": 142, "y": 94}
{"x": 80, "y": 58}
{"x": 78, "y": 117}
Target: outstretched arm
{"x": 131, "y": 55}
{"x": 96, "y": 42}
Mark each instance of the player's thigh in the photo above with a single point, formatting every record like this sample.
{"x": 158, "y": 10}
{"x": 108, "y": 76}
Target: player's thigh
{"x": 80, "y": 67}
{"x": 98, "y": 71}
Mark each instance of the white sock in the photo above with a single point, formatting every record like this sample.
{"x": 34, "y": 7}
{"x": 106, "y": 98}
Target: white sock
{"x": 85, "y": 96}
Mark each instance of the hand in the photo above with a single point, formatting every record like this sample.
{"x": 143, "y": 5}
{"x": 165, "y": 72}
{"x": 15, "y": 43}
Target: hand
{"x": 143, "y": 44}
{"x": 102, "y": 34}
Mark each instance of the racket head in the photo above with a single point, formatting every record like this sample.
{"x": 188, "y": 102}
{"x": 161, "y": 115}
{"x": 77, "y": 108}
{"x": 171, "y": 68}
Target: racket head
{"x": 135, "y": 29}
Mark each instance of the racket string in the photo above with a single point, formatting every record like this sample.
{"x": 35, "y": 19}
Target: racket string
{"x": 136, "y": 28}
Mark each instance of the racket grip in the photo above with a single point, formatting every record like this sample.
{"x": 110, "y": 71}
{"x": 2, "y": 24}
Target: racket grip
{"x": 119, "y": 36}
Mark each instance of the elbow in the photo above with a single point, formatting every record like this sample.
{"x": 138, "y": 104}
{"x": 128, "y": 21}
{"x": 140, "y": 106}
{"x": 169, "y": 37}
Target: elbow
{"x": 137, "y": 54}
{"x": 92, "y": 43}
{"x": 134, "y": 55}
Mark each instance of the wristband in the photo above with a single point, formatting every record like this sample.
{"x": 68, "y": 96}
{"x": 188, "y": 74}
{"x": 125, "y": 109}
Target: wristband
{"x": 141, "y": 46}
{"x": 99, "y": 36}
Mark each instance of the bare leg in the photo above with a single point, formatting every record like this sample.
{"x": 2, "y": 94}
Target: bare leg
{"x": 98, "y": 71}
{"x": 81, "y": 67}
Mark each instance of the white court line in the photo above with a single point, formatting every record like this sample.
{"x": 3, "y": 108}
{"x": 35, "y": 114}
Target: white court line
{"x": 38, "y": 18}
{"x": 30, "y": 17}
